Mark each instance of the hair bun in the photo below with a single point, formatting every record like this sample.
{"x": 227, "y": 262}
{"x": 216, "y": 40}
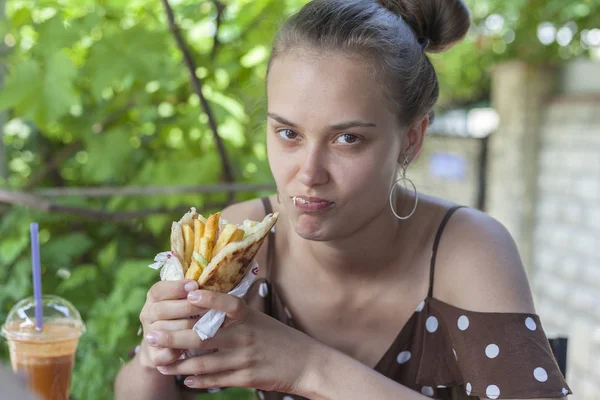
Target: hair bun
{"x": 438, "y": 24}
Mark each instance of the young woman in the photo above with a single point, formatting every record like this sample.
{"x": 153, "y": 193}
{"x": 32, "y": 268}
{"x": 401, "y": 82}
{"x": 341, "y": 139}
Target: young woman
{"x": 368, "y": 290}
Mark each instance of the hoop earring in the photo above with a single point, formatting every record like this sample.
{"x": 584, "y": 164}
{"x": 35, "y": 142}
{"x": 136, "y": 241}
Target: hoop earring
{"x": 405, "y": 180}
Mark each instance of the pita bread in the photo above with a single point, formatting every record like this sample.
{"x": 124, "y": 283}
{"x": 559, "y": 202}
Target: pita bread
{"x": 226, "y": 270}
{"x": 177, "y": 243}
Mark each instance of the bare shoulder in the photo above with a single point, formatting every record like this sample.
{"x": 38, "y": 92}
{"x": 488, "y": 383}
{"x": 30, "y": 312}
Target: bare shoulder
{"x": 478, "y": 266}
{"x": 250, "y": 209}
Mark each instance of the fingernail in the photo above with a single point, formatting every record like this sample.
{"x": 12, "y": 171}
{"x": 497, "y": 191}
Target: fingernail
{"x": 193, "y": 285}
{"x": 152, "y": 338}
{"x": 189, "y": 381}
{"x": 194, "y": 296}
{"x": 162, "y": 370}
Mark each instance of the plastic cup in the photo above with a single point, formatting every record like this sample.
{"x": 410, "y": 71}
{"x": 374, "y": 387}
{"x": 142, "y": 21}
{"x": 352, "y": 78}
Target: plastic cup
{"x": 46, "y": 357}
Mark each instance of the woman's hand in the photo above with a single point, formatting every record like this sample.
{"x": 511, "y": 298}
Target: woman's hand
{"x": 166, "y": 309}
{"x": 254, "y": 350}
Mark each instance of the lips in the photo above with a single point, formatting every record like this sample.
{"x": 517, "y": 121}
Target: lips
{"x": 311, "y": 204}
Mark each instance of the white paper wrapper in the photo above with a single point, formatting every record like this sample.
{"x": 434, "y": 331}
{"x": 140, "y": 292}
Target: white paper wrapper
{"x": 171, "y": 267}
{"x": 209, "y": 323}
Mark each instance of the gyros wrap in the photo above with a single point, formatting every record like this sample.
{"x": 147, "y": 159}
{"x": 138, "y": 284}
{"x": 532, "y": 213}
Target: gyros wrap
{"x": 215, "y": 253}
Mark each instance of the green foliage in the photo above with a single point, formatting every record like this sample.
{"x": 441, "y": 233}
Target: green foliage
{"x": 103, "y": 82}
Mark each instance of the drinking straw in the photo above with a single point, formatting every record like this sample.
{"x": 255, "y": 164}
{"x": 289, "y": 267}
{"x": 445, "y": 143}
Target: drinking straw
{"x": 37, "y": 275}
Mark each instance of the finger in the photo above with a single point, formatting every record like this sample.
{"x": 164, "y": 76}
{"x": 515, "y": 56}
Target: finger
{"x": 174, "y": 325}
{"x": 162, "y": 357}
{"x": 235, "y": 307}
{"x": 182, "y": 339}
{"x": 171, "y": 290}
{"x": 173, "y": 309}
{"x": 236, "y": 378}
{"x": 208, "y": 363}
{"x": 189, "y": 339}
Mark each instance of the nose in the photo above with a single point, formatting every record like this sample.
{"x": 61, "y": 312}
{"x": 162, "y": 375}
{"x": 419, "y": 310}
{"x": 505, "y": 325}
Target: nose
{"x": 313, "y": 171}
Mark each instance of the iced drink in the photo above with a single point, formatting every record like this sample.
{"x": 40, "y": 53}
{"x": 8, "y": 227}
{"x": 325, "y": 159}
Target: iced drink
{"x": 47, "y": 356}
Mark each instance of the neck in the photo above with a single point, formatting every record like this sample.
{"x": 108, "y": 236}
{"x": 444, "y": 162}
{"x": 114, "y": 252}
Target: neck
{"x": 370, "y": 251}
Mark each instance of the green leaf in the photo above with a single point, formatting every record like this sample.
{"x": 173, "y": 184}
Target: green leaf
{"x": 108, "y": 254}
{"x": 54, "y": 35}
{"x": 11, "y": 248}
{"x": 108, "y": 154}
{"x": 80, "y": 276}
{"x": 60, "y": 252}
{"x": 59, "y": 90}
{"x": 22, "y": 85}
{"x": 135, "y": 272}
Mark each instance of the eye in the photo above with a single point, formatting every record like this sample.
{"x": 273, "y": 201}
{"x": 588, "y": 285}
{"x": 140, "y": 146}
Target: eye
{"x": 348, "y": 138}
{"x": 287, "y": 134}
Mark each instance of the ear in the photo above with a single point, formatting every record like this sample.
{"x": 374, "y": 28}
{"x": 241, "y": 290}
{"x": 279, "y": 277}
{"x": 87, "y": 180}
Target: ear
{"x": 413, "y": 140}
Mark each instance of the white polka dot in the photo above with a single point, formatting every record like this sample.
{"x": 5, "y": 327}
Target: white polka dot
{"x": 263, "y": 290}
{"x": 468, "y": 389}
{"x": 455, "y": 356}
{"x": 427, "y": 391}
{"x": 463, "y": 322}
{"x": 261, "y": 395}
{"x": 492, "y": 391}
{"x": 492, "y": 351}
{"x": 540, "y": 374}
{"x": 442, "y": 387}
{"x": 288, "y": 398}
{"x": 403, "y": 357}
{"x": 420, "y": 306}
{"x": 431, "y": 324}
{"x": 565, "y": 391}
{"x": 530, "y": 324}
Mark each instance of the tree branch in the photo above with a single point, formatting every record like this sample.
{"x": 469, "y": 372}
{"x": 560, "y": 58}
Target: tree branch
{"x": 108, "y": 191}
{"x": 219, "y": 19}
{"x": 197, "y": 86}
{"x": 39, "y": 203}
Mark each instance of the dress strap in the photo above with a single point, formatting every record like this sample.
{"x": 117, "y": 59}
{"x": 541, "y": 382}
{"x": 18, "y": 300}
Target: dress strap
{"x": 270, "y": 240}
{"x": 436, "y": 244}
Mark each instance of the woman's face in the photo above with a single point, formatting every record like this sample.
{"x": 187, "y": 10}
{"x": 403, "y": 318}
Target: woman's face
{"x": 333, "y": 143}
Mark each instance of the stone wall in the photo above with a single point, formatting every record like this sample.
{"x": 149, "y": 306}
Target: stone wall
{"x": 567, "y": 235}
{"x": 545, "y": 158}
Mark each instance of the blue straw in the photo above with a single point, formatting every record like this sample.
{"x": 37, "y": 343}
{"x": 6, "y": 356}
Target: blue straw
{"x": 37, "y": 275}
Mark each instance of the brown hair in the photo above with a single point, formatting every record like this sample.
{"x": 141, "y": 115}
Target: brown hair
{"x": 394, "y": 33}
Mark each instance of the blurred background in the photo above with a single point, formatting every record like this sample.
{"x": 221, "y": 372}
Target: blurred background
{"x": 115, "y": 118}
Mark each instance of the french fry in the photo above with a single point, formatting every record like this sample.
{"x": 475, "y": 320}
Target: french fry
{"x": 188, "y": 238}
{"x": 225, "y": 237}
{"x": 205, "y": 249}
{"x": 237, "y": 236}
{"x": 198, "y": 233}
{"x": 194, "y": 271}
{"x": 212, "y": 227}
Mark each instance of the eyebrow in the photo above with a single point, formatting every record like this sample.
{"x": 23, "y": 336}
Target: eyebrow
{"x": 337, "y": 127}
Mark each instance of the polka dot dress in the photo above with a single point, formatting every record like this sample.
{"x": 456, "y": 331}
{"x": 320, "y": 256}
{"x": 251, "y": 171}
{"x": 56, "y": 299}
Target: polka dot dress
{"x": 445, "y": 352}
{"x": 448, "y": 353}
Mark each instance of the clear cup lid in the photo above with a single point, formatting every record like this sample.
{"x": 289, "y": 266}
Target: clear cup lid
{"x": 60, "y": 318}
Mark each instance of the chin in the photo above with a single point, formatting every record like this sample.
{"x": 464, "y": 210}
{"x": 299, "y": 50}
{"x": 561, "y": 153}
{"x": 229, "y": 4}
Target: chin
{"x": 314, "y": 229}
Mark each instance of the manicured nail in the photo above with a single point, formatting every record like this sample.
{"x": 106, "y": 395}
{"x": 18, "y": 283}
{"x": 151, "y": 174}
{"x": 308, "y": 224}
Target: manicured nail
{"x": 189, "y": 381}
{"x": 152, "y": 338}
{"x": 193, "y": 285}
{"x": 194, "y": 296}
{"x": 161, "y": 369}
